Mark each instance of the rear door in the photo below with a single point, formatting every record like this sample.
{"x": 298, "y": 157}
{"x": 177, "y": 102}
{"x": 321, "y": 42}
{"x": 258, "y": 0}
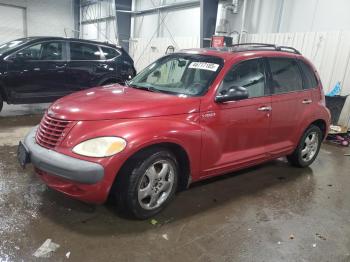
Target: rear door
{"x": 288, "y": 103}
{"x": 114, "y": 65}
{"x": 310, "y": 84}
{"x": 37, "y": 73}
{"x": 85, "y": 66}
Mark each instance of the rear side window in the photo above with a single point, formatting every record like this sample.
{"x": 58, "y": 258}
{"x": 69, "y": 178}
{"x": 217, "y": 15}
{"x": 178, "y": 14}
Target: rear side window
{"x": 82, "y": 51}
{"x": 109, "y": 53}
{"x": 249, "y": 74}
{"x": 310, "y": 80}
{"x": 286, "y": 75}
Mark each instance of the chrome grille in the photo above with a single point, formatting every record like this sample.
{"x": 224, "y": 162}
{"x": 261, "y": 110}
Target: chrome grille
{"x": 51, "y": 131}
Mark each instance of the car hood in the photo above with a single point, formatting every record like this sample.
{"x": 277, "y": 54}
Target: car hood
{"x": 117, "y": 102}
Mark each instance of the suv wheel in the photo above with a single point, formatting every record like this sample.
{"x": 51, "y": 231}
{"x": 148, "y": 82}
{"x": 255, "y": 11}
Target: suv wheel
{"x": 147, "y": 184}
{"x": 1, "y": 103}
{"x": 308, "y": 148}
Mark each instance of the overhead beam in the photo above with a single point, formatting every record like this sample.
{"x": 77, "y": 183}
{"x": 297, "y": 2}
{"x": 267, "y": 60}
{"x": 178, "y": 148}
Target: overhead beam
{"x": 76, "y": 11}
{"x": 167, "y": 7}
{"x": 97, "y": 20}
{"x": 208, "y": 13}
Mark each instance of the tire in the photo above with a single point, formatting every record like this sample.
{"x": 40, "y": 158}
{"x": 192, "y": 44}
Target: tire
{"x": 308, "y": 148}
{"x": 1, "y": 103}
{"x": 147, "y": 183}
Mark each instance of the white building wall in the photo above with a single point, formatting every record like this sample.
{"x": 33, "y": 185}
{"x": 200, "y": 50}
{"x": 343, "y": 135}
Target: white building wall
{"x": 46, "y": 17}
{"x": 273, "y": 16}
{"x": 103, "y": 30}
{"x": 182, "y": 23}
{"x": 152, "y": 33}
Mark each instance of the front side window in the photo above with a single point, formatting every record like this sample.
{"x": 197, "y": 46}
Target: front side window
{"x": 249, "y": 75}
{"x": 181, "y": 74}
{"x": 82, "y": 51}
{"x": 310, "y": 80}
{"x": 286, "y": 75}
{"x": 42, "y": 51}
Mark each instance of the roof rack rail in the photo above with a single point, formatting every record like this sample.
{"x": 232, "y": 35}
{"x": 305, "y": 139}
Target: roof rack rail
{"x": 256, "y": 46}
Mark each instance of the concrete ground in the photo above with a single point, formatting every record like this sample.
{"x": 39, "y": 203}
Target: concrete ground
{"x": 272, "y": 212}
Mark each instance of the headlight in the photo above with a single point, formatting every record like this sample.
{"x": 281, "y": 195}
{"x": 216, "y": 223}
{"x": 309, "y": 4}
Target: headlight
{"x": 100, "y": 147}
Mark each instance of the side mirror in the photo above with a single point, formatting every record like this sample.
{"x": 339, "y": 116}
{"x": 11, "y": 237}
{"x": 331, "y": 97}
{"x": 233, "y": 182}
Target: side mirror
{"x": 11, "y": 58}
{"x": 234, "y": 93}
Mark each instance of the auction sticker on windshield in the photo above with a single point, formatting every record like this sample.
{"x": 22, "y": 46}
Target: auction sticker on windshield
{"x": 204, "y": 66}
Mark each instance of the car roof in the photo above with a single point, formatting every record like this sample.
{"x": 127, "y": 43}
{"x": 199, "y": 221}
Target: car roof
{"x": 227, "y": 53}
{"x": 40, "y": 38}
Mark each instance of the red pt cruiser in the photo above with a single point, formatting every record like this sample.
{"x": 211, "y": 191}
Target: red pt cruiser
{"x": 186, "y": 117}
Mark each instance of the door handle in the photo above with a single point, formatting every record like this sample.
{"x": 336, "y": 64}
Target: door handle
{"x": 307, "y": 101}
{"x": 265, "y": 108}
{"x": 102, "y": 66}
{"x": 60, "y": 66}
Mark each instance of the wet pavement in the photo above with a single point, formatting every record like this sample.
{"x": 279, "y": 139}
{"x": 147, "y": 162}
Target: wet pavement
{"x": 272, "y": 212}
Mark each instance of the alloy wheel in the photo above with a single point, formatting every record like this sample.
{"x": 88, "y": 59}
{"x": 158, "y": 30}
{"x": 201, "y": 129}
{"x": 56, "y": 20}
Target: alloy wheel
{"x": 310, "y": 146}
{"x": 156, "y": 184}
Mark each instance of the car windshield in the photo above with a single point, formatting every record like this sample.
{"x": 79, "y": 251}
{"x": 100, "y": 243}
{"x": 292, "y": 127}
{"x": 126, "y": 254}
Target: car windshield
{"x": 5, "y": 47}
{"x": 179, "y": 74}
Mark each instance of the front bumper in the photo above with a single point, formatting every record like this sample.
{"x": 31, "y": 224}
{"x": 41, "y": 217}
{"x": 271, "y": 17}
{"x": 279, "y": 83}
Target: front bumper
{"x": 60, "y": 165}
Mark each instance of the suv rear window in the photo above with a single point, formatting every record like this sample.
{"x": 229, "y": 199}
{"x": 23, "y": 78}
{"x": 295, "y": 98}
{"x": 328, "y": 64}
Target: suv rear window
{"x": 82, "y": 51}
{"x": 286, "y": 75}
{"x": 310, "y": 80}
{"x": 109, "y": 53}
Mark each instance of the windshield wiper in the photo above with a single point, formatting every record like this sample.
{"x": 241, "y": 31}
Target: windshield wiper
{"x": 150, "y": 88}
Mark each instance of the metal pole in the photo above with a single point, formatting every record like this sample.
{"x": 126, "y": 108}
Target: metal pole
{"x": 243, "y": 21}
{"x": 280, "y": 16}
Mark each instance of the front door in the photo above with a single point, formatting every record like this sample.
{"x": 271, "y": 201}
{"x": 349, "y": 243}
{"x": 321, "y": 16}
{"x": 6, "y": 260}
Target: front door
{"x": 37, "y": 73}
{"x": 235, "y": 133}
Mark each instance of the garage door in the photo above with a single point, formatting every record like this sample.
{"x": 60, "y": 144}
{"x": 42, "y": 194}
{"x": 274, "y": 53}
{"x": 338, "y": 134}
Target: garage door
{"x": 12, "y": 23}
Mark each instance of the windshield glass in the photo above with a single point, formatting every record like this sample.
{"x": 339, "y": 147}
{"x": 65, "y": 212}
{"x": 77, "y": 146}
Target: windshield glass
{"x": 179, "y": 74}
{"x": 10, "y": 45}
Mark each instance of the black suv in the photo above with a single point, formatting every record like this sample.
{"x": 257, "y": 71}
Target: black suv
{"x": 43, "y": 69}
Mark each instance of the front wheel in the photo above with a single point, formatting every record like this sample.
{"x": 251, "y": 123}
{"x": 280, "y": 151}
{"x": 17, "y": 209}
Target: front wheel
{"x": 148, "y": 184}
{"x": 308, "y": 148}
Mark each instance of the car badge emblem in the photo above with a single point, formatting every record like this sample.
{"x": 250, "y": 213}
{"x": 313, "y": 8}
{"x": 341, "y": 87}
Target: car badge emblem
{"x": 209, "y": 114}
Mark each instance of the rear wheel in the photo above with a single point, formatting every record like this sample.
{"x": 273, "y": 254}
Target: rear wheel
{"x": 308, "y": 148}
{"x": 148, "y": 183}
{"x": 1, "y": 103}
